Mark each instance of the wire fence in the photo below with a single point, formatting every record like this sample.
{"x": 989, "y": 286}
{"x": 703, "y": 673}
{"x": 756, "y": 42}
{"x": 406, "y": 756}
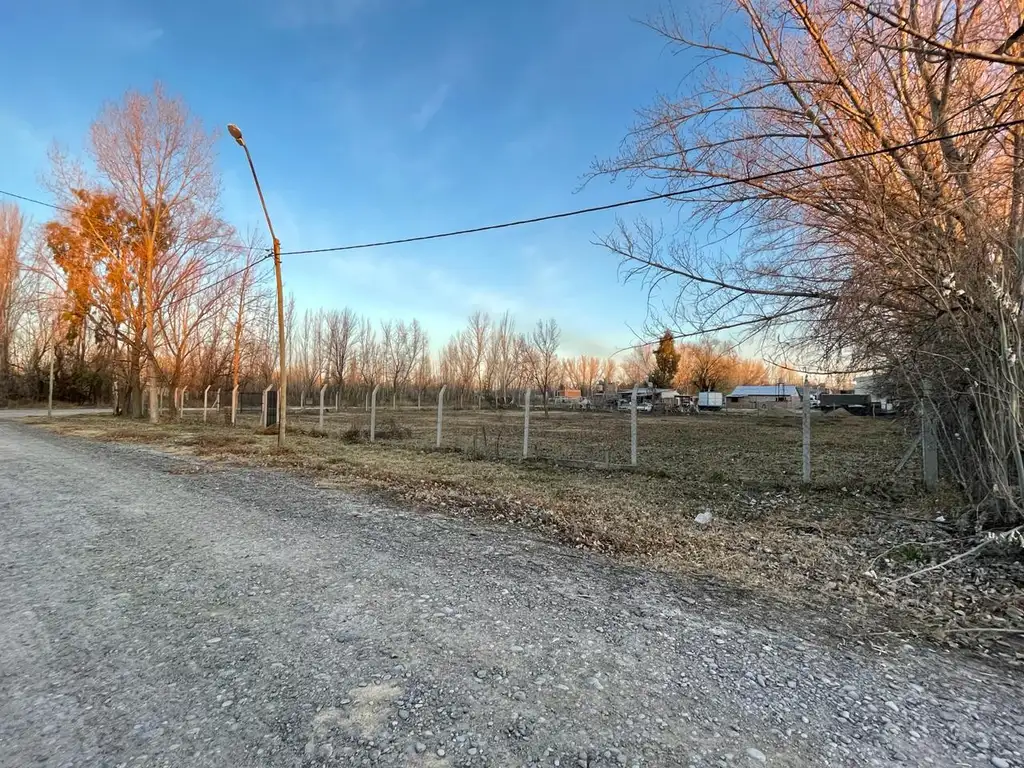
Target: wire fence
{"x": 732, "y": 449}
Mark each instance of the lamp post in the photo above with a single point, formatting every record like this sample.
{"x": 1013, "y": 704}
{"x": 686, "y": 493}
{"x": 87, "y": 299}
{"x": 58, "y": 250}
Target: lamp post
{"x": 282, "y": 397}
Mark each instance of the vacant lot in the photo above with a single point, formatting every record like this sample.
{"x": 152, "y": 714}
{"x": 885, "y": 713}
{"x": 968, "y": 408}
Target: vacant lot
{"x": 837, "y": 544}
{"x": 751, "y": 448}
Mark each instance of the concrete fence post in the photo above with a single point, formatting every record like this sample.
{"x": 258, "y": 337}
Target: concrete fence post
{"x": 206, "y": 396}
{"x": 807, "y": 431}
{"x": 373, "y": 413}
{"x": 526, "y": 424}
{"x": 323, "y": 390}
{"x": 49, "y": 397}
{"x": 929, "y": 449}
{"x": 632, "y": 425}
{"x": 440, "y": 414}
{"x": 234, "y": 404}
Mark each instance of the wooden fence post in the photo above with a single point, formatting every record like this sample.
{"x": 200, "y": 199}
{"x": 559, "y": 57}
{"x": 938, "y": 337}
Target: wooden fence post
{"x": 526, "y": 425}
{"x": 807, "y": 431}
{"x": 373, "y": 413}
{"x": 440, "y": 414}
{"x": 632, "y": 425}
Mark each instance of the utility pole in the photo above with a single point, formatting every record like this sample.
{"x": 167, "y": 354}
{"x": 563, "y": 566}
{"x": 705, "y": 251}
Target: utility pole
{"x": 282, "y": 390}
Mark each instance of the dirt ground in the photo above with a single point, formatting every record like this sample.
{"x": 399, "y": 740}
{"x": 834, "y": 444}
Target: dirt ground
{"x": 839, "y": 543}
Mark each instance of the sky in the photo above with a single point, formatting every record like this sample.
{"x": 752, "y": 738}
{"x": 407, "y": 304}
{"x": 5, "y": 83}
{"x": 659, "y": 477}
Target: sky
{"x": 378, "y": 119}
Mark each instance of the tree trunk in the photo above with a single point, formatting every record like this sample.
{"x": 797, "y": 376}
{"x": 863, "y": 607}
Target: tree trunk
{"x": 5, "y": 370}
{"x": 134, "y": 405}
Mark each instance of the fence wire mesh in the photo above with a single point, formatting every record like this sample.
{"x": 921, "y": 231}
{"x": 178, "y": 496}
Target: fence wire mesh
{"x": 731, "y": 450}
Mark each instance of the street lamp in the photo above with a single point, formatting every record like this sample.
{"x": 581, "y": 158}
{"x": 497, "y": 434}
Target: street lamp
{"x": 282, "y": 405}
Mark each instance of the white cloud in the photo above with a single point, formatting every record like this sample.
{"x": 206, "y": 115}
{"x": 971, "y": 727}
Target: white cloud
{"x": 430, "y": 107}
{"x": 305, "y": 13}
{"x": 129, "y": 35}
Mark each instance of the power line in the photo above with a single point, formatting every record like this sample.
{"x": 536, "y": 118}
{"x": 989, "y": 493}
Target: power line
{"x": 599, "y": 208}
{"x": 189, "y": 295}
{"x": 33, "y": 200}
{"x": 208, "y": 286}
{"x": 660, "y": 196}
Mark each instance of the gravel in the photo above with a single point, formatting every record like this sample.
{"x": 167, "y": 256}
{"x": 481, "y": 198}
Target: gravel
{"x": 164, "y": 612}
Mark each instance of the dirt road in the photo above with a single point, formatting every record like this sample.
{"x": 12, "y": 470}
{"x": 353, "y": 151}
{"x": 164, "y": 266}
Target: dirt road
{"x": 8, "y": 414}
{"x": 157, "y": 611}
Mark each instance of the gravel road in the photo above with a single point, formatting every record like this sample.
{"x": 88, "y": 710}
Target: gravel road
{"x": 7, "y": 414}
{"x": 159, "y": 611}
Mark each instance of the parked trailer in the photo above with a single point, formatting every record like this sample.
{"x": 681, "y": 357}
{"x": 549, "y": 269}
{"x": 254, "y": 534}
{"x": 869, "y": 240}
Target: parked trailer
{"x": 857, "y": 404}
{"x": 710, "y": 401}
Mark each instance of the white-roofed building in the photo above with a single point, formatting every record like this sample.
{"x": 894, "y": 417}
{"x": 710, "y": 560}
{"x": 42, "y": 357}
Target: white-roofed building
{"x": 760, "y": 395}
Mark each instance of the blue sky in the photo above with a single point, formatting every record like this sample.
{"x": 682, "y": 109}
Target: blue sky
{"x": 375, "y": 119}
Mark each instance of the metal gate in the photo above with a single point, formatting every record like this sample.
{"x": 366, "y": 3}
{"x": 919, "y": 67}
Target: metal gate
{"x": 271, "y": 408}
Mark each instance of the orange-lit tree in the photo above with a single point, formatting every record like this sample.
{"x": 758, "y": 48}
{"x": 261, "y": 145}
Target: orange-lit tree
{"x": 144, "y": 234}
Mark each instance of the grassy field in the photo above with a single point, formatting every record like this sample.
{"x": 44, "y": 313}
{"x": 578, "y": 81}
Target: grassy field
{"x": 751, "y": 449}
{"x": 836, "y": 543}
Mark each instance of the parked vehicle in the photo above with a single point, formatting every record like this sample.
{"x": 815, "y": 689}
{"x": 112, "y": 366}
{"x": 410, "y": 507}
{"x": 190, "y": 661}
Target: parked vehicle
{"x": 857, "y": 404}
{"x": 644, "y": 407}
{"x": 710, "y": 401}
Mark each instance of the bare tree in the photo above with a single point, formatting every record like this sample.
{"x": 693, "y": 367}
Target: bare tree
{"x": 423, "y": 373}
{"x": 457, "y": 364}
{"x": 710, "y": 365}
{"x": 310, "y": 348}
{"x": 189, "y": 320}
{"x": 370, "y": 359}
{"x": 609, "y": 372}
{"x": 874, "y": 162}
{"x": 341, "y": 330}
{"x": 477, "y": 337}
{"x": 12, "y": 226}
{"x": 542, "y": 359}
{"x": 403, "y": 347}
{"x": 247, "y": 301}
{"x": 156, "y": 179}
{"x": 637, "y": 366}
{"x": 501, "y": 358}
{"x": 582, "y": 372}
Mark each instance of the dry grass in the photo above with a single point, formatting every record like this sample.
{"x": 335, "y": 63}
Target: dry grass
{"x": 811, "y": 545}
